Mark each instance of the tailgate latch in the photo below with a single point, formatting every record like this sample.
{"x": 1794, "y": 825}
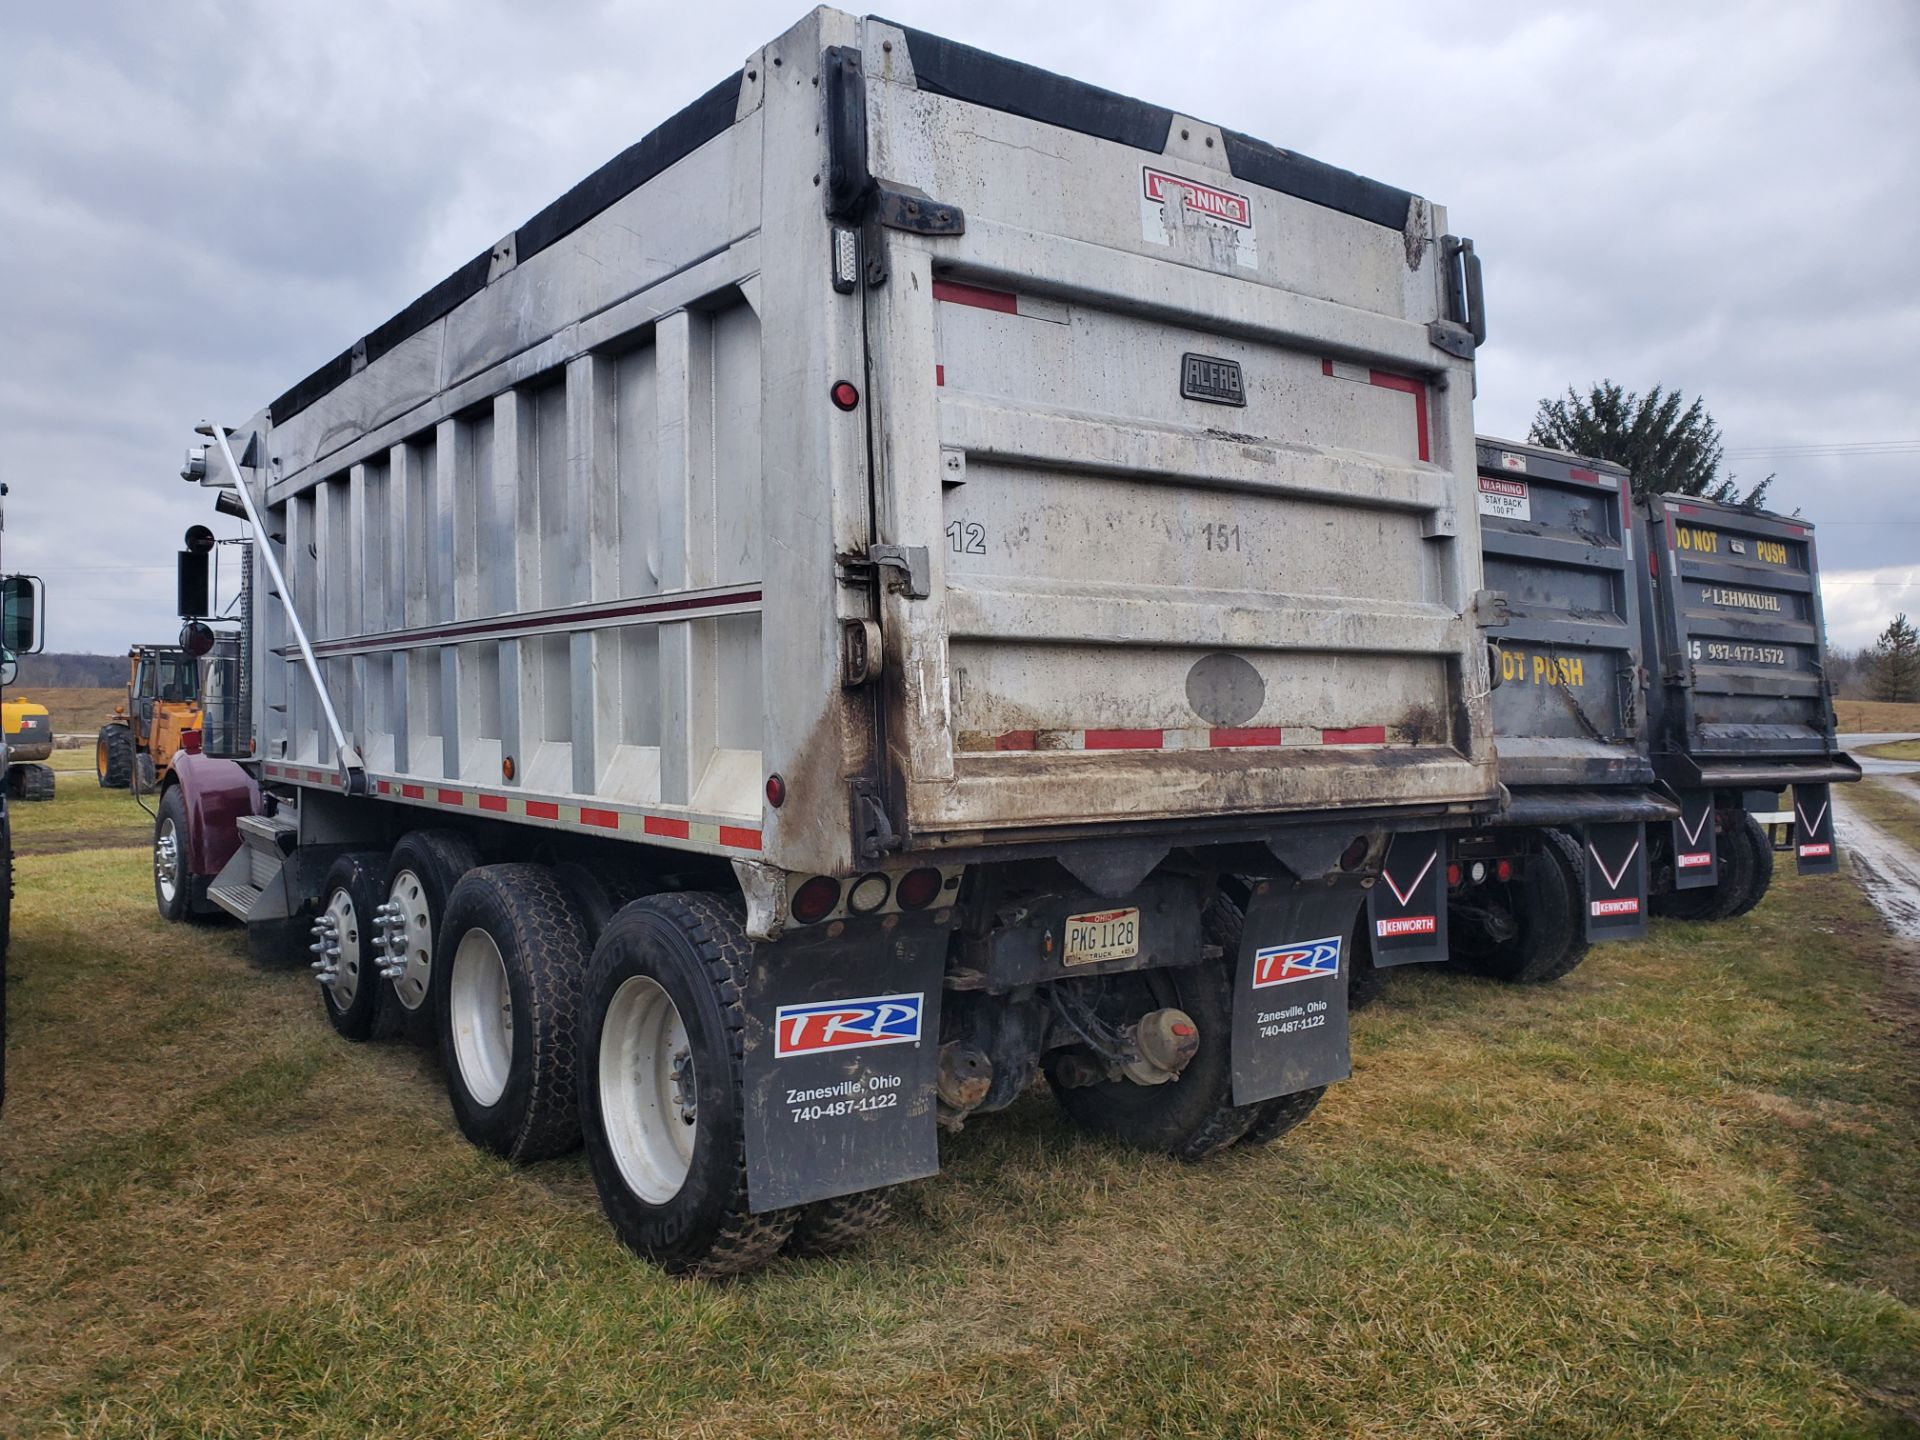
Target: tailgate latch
{"x": 1490, "y": 610}
{"x": 911, "y": 561}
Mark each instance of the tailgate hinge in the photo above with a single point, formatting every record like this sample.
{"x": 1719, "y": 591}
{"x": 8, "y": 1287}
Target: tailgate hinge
{"x": 915, "y": 580}
{"x": 1490, "y": 609}
{"x": 873, "y": 832}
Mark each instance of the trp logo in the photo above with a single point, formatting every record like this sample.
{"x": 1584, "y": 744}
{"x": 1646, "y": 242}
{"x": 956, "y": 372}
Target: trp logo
{"x": 1300, "y": 960}
{"x": 846, "y": 1024}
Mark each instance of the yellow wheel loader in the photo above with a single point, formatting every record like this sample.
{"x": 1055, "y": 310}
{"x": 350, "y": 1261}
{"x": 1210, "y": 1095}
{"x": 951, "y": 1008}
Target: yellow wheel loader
{"x": 136, "y": 747}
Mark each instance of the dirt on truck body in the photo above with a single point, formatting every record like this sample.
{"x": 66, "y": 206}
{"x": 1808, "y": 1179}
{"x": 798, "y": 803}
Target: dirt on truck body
{"x": 917, "y": 575}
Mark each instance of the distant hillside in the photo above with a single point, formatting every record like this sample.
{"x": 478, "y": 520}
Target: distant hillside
{"x": 69, "y": 671}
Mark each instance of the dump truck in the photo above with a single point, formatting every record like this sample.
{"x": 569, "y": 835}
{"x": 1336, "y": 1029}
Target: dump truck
{"x": 20, "y": 634}
{"x": 1740, "y": 707}
{"x": 1564, "y": 864}
{"x": 919, "y": 575}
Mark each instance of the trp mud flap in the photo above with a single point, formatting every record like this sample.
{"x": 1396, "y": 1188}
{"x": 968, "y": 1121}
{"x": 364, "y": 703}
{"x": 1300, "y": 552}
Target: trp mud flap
{"x": 1696, "y": 859}
{"x": 1407, "y": 906}
{"x": 1290, "y": 990}
{"x": 841, "y": 1054}
{"x": 1616, "y": 858}
{"x": 1814, "y": 852}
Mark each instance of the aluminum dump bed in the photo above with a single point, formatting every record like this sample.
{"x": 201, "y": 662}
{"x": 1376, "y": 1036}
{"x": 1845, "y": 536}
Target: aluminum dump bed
{"x": 1557, "y": 536}
{"x": 1103, "y": 471}
{"x": 1733, "y": 613}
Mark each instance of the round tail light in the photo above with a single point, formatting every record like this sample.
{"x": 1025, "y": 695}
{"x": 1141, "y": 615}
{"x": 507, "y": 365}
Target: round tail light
{"x": 1453, "y": 873}
{"x": 845, "y": 396}
{"x": 1503, "y": 869}
{"x": 918, "y": 889}
{"x": 867, "y": 894}
{"x": 815, "y": 900}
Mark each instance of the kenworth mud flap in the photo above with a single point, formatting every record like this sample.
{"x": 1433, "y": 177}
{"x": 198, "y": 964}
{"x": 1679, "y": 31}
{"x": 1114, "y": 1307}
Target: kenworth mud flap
{"x": 841, "y": 1057}
{"x": 1813, "y": 848}
{"x": 1696, "y": 857}
{"x": 1407, "y": 906}
{"x": 1616, "y": 881}
{"x": 1290, "y": 989}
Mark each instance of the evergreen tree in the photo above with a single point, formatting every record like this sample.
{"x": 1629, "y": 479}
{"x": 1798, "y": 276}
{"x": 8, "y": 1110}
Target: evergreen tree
{"x": 1669, "y": 446}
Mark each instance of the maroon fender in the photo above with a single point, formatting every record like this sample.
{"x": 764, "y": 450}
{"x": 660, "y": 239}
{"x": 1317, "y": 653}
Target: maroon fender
{"x": 217, "y": 793}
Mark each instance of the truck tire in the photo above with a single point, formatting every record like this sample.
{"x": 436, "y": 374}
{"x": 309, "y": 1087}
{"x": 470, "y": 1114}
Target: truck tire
{"x": 352, "y": 997}
{"x": 113, "y": 757}
{"x": 177, "y": 891}
{"x": 143, "y": 774}
{"x": 827, "y": 1227}
{"x": 1193, "y": 1116}
{"x": 1365, "y": 980}
{"x": 600, "y": 889}
{"x": 1548, "y": 903}
{"x": 662, "y": 1105}
{"x": 515, "y": 953}
{"x": 1759, "y": 861}
{"x": 1717, "y": 902}
{"x": 1277, "y": 1117}
{"x": 421, "y": 874}
{"x": 30, "y": 782}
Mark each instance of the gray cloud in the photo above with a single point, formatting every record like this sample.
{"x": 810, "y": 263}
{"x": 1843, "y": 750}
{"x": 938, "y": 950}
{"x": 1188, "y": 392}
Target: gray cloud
{"x": 198, "y": 204}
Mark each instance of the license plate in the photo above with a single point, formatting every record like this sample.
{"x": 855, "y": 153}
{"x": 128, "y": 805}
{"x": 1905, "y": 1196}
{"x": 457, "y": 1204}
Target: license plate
{"x": 1103, "y": 935}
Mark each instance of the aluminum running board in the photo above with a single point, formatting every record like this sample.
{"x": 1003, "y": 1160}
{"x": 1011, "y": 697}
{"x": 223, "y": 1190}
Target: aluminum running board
{"x": 353, "y": 770}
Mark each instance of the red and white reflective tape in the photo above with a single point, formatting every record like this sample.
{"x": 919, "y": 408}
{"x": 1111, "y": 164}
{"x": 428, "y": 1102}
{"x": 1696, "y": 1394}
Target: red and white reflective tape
{"x": 1387, "y": 380}
{"x": 625, "y": 820}
{"x": 1218, "y": 738}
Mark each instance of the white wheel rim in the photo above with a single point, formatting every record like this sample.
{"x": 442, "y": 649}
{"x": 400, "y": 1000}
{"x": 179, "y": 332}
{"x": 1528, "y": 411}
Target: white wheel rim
{"x": 416, "y": 933}
{"x": 648, "y": 1090}
{"x": 482, "y": 1016}
{"x": 345, "y": 983}
{"x": 166, "y": 860}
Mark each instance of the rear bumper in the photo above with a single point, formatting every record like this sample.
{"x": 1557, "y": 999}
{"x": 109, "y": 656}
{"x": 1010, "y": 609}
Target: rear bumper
{"x": 1688, "y": 772}
{"x": 1587, "y": 807}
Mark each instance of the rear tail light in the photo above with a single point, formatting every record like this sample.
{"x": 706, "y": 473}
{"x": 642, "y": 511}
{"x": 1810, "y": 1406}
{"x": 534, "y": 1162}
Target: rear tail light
{"x": 1355, "y": 855}
{"x": 1503, "y": 869}
{"x": 918, "y": 889}
{"x": 1453, "y": 873}
{"x": 845, "y": 396}
{"x": 815, "y": 900}
{"x": 867, "y": 894}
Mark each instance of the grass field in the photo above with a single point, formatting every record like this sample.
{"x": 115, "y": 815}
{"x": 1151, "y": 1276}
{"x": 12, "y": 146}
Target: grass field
{"x": 75, "y": 710}
{"x": 1677, "y": 1194}
{"x": 1875, "y": 717}
{"x": 1894, "y": 750}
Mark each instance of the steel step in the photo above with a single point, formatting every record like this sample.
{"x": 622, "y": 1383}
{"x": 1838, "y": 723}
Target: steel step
{"x": 236, "y": 897}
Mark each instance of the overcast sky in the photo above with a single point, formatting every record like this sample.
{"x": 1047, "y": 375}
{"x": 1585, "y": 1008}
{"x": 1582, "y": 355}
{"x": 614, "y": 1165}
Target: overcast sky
{"x": 199, "y": 203}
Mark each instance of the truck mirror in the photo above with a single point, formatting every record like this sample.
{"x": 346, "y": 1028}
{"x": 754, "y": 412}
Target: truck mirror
{"x": 9, "y": 667}
{"x": 195, "y": 587}
{"x": 20, "y": 620}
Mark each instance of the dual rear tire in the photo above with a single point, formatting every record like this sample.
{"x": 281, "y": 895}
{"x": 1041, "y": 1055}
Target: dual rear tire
{"x": 1746, "y": 873}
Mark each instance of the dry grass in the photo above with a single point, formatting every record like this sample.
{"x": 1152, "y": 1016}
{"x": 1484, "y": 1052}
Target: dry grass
{"x": 1894, "y": 750}
{"x": 1677, "y": 1194}
{"x": 76, "y": 710}
{"x": 1875, "y": 717}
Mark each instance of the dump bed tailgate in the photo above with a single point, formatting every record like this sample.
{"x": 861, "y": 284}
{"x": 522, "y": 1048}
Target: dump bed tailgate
{"x": 1193, "y": 480}
{"x": 1736, "y": 607}
{"x": 1557, "y": 535}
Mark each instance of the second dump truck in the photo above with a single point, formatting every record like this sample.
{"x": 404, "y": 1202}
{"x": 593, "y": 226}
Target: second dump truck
{"x": 920, "y": 574}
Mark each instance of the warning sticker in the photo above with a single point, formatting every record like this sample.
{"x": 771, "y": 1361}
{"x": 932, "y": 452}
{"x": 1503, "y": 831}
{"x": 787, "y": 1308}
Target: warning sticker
{"x": 1505, "y": 499}
{"x": 1212, "y": 225}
